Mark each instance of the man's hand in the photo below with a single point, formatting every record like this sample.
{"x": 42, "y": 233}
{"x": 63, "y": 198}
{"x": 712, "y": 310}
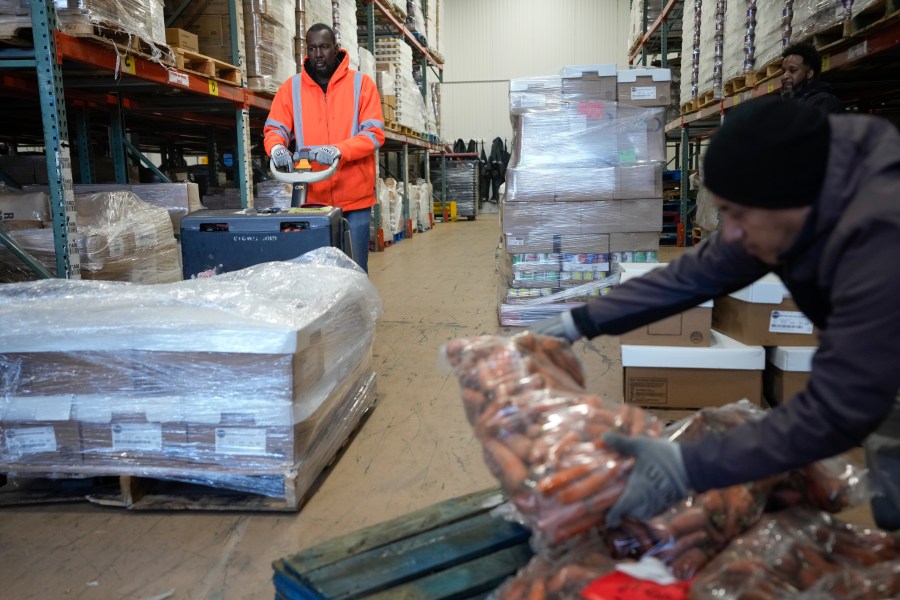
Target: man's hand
{"x": 324, "y": 155}
{"x": 282, "y": 158}
{"x": 658, "y": 480}
{"x": 561, "y": 326}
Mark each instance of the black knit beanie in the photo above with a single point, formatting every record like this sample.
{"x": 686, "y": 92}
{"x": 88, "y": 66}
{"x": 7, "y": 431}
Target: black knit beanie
{"x": 769, "y": 153}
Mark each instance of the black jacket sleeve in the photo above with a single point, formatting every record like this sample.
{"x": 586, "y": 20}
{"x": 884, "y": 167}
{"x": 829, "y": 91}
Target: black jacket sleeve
{"x": 711, "y": 269}
{"x": 855, "y": 377}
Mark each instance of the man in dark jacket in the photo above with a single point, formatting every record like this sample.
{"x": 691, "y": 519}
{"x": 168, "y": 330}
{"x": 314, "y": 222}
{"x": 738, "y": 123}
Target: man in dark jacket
{"x": 802, "y": 65}
{"x": 812, "y": 198}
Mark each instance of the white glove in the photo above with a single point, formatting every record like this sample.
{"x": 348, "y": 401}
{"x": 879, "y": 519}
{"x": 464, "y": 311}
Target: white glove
{"x": 324, "y": 155}
{"x": 281, "y": 157}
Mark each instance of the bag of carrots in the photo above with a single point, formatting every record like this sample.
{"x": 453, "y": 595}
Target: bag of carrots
{"x": 541, "y": 431}
{"x": 559, "y": 579}
{"x": 792, "y": 551}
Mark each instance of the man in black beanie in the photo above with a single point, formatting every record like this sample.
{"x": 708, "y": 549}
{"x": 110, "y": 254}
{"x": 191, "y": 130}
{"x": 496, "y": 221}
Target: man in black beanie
{"x": 813, "y": 199}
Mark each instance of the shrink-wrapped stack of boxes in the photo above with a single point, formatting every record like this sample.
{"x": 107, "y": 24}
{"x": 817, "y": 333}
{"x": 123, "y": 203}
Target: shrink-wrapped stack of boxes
{"x": 584, "y": 185}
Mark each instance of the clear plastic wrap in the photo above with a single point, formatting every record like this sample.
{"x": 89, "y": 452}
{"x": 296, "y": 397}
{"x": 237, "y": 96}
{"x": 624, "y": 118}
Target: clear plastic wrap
{"x": 534, "y": 93}
{"x": 817, "y": 16}
{"x": 590, "y": 217}
{"x": 463, "y": 176}
{"x": 389, "y": 198}
{"x": 770, "y": 21}
{"x": 269, "y": 43}
{"x": 792, "y": 551}
{"x": 712, "y": 40}
{"x": 875, "y": 582}
{"x": 556, "y": 270}
{"x": 120, "y": 238}
{"x": 560, "y": 579}
{"x": 738, "y": 39}
{"x": 541, "y": 432}
{"x": 247, "y": 376}
{"x": 272, "y": 194}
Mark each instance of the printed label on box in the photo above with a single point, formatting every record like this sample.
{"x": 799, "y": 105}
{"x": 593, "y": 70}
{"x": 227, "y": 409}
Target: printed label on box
{"x": 240, "y": 440}
{"x": 137, "y": 436}
{"x": 515, "y": 241}
{"x": 30, "y": 440}
{"x": 648, "y": 390}
{"x": 789, "y": 321}
{"x": 115, "y": 247}
{"x": 643, "y": 92}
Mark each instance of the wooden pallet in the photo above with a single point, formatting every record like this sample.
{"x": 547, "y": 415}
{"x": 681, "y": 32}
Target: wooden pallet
{"x": 736, "y": 85}
{"x": 195, "y": 487}
{"x": 263, "y": 85}
{"x": 207, "y": 66}
{"x": 455, "y": 549}
{"x": 770, "y": 71}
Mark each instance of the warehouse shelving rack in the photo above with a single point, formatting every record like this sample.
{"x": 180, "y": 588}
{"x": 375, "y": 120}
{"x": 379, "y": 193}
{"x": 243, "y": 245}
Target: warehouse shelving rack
{"x": 110, "y": 80}
{"x": 379, "y": 15}
{"x": 862, "y": 65}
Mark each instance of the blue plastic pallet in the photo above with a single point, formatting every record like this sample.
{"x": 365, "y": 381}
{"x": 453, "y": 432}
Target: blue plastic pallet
{"x": 455, "y": 549}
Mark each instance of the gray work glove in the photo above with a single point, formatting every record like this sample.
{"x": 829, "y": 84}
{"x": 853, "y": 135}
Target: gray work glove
{"x": 282, "y": 158}
{"x": 560, "y": 326}
{"x": 658, "y": 479}
{"x": 324, "y": 155}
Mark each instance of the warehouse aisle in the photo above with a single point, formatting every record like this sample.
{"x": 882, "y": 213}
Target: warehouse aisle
{"x": 414, "y": 449}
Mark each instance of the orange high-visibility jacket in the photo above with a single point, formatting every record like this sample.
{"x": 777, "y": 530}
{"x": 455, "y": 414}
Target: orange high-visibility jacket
{"x": 348, "y": 117}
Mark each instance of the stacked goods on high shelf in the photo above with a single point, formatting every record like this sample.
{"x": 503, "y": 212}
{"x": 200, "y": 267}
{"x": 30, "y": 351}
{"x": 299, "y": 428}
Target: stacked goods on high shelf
{"x": 394, "y": 61}
{"x": 739, "y": 52}
{"x": 367, "y": 63}
{"x": 819, "y": 17}
{"x": 120, "y": 237}
{"x": 415, "y": 20}
{"x": 563, "y": 223}
{"x": 433, "y": 18}
{"x": 712, "y": 31}
{"x": 268, "y": 37}
{"x": 190, "y": 381}
{"x": 344, "y": 17}
{"x": 463, "y": 184}
{"x": 141, "y": 18}
{"x": 653, "y": 8}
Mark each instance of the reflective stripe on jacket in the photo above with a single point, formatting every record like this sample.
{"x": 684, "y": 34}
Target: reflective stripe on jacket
{"x": 348, "y": 117}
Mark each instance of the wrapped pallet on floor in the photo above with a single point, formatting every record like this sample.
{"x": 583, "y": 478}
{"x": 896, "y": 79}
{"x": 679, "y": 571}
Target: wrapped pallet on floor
{"x": 249, "y": 381}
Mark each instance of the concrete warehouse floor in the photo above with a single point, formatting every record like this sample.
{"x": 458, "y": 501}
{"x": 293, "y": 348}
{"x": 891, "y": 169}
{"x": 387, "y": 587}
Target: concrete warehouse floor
{"x": 414, "y": 450}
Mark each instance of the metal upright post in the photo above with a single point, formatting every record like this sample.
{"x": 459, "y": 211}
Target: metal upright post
{"x": 212, "y": 159}
{"x": 370, "y": 27}
{"x": 443, "y": 187}
{"x": 405, "y": 168}
{"x": 646, "y": 26}
{"x": 664, "y": 45}
{"x": 117, "y": 141}
{"x": 56, "y": 140}
{"x": 243, "y": 168}
{"x": 683, "y": 238}
{"x": 85, "y": 156}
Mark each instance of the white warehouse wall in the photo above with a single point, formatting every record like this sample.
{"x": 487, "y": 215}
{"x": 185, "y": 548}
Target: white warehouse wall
{"x": 488, "y": 42}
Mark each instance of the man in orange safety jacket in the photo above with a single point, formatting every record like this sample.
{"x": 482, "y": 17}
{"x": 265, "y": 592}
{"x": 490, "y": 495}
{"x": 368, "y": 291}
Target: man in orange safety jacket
{"x": 335, "y": 112}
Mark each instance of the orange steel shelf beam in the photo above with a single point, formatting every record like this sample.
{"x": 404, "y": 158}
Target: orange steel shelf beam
{"x": 78, "y": 50}
{"x": 663, "y": 15}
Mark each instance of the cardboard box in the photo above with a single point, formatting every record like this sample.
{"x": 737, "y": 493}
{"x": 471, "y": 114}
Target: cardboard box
{"x": 764, "y": 314}
{"x": 690, "y": 328}
{"x": 639, "y": 181}
{"x": 25, "y": 207}
{"x": 787, "y": 372}
{"x": 597, "y": 217}
{"x": 571, "y": 184}
{"x": 645, "y": 87}
{"x": 549, "y": 241}
{"x": 38, "y": 431}
{"x": 534, "y": 93}
{"x": 634, "y": 241}
{"x": 182, "y": 39}
{"x": 132, "y": 430}
{"x": 589, "y": 82}
{"x": 675, "y": 377}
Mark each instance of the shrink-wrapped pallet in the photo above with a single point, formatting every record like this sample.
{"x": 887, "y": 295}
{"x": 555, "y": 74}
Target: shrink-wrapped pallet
{"x": 241, "y": 380}
{"x": 120, "y": 238}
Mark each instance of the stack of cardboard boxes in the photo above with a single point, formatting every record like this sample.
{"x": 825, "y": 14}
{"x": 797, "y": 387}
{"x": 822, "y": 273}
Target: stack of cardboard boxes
{"x": 715, "y": 353}
{"x": 583, "y": 187}
{"x": 194, "y": 381}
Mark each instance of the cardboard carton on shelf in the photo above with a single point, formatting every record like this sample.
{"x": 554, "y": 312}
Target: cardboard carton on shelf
{"x": 678, "y": 377}
{"x": 590, "y": 82}
{"x": 787, "y": 372}
{"x": 645, "y": 87}
{"x": 764, "y": 314}
{"x": 182, "y": 39}
{"x": 690, "y": 328}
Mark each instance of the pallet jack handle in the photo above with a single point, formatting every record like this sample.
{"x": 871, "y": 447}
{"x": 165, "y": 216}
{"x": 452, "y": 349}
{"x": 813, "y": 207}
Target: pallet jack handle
{"x": 302, "y": 175}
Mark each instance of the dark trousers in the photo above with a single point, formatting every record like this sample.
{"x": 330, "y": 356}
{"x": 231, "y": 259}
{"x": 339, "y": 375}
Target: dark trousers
{"x": 359, "y": 235}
